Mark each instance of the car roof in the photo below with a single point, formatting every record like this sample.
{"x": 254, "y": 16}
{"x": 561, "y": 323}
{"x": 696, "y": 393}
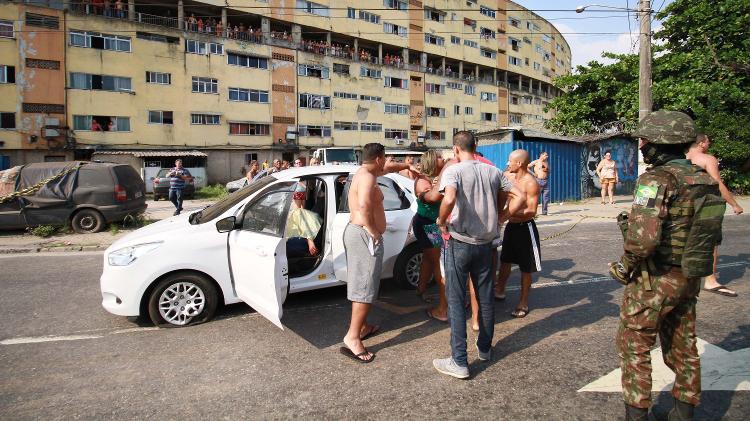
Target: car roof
{"x": 316, "y": 170}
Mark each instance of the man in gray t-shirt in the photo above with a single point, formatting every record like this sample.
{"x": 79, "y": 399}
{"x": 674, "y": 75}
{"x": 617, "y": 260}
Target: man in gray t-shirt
{"x": 472, "y": 208}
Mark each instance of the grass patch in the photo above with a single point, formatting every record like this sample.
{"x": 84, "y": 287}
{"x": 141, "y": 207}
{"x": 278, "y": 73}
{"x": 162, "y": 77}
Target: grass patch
{"x": 114, "y": 229}
{"x": 217, "y": 191}
{"x": 45, "y": 231}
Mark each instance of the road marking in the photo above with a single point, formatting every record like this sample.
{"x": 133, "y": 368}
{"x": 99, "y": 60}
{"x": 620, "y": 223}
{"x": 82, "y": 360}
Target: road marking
{"x": 39, "y": 339}
{"x": 720, "y": 370}
{"x": 51, "y": 254}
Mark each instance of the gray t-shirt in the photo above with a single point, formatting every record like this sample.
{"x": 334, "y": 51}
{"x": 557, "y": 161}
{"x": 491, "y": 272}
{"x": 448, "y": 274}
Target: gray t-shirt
{"x": 474, "y": 218}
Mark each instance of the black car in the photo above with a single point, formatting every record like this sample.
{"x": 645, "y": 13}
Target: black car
{"x": 161, "y": 186}
{"x": 86, "y": 195}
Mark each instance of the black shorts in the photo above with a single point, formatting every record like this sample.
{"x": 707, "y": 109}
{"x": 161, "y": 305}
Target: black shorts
{"x": 521, "y": 246}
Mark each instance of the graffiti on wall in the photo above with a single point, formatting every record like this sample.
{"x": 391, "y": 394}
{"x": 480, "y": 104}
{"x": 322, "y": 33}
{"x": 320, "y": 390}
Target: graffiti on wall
{"x": 624, "y": 152}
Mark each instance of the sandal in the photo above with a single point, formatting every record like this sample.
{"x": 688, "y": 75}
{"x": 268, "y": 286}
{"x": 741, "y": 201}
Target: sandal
{"x": 520, "y": 312}
{"x": 357, "y": 357}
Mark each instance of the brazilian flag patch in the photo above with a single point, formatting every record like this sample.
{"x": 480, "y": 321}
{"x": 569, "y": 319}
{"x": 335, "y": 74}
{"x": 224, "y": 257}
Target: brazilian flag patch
{"x": 645, "y": 196}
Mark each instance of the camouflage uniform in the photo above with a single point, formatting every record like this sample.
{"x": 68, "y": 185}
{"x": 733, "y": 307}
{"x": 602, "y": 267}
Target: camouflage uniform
{"x": 661, "y": 300}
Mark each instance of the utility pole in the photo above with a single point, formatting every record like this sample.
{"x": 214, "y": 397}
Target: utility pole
{"x": 645, "y": 104}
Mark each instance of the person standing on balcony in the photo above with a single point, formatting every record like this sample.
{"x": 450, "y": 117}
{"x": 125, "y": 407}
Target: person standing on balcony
{"x": 119, "y": 9}
{"x": 107, "y": 8}
{"x": 192, "y": 23}
{"x": 200, "y": 24}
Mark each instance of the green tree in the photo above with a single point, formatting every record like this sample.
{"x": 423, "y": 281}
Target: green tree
{"x": 701, "y": 65}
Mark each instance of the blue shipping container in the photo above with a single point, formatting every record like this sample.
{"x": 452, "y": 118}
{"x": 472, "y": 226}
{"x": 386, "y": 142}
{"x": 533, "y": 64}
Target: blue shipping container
{"x": 4, "y": 162}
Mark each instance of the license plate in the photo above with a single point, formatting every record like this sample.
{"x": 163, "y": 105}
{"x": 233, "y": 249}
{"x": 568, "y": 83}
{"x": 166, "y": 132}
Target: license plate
{"x": 138, "y": 194}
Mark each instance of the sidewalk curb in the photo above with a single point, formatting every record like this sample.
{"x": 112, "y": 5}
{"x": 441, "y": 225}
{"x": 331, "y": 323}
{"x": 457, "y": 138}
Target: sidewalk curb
{"x": 67, "y": 248}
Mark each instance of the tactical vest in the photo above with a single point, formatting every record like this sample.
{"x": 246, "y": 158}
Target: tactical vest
{"x": 692, "y": 227}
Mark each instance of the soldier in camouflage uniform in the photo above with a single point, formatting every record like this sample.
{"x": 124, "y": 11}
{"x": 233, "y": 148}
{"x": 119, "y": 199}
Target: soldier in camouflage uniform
{"x": 662, "y": 255}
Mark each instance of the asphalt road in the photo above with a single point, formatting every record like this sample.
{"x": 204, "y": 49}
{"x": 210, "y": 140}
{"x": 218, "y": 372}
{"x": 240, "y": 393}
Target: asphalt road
{"x": 63, "y": 357}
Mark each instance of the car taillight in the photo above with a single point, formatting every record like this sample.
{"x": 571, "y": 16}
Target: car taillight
{"x": 120, "y": 194}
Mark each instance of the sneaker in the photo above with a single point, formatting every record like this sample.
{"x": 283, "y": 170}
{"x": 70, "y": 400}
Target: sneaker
{"x": 484, "y": 356}
{"x": 449, "y": 367}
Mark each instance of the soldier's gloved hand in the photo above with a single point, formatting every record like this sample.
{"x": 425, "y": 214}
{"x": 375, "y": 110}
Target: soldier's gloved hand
{"x": 619, "y": 272}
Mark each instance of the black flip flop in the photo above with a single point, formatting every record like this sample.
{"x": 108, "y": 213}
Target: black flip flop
{"x": 721, "y": 290}
{"x": 374, "y": 330}
{"x": 356, "y": 357}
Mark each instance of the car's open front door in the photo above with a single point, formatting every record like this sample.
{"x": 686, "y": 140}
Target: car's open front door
{"x": 257, "y": 252}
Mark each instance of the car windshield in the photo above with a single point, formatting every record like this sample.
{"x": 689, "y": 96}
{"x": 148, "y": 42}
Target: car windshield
{"x": 162, "y": 173}
{"x": 340, "y": 155}
{"x": 212, "y": 211}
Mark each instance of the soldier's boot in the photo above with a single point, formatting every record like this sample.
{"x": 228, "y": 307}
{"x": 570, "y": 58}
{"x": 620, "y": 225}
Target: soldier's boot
{"x": 633, "y": 413}
{"x": 682, "y": 411}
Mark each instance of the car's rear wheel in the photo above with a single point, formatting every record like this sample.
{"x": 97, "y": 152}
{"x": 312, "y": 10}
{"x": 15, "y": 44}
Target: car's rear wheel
{"x": 407, "y": 266}
{"x": 87, "y": 221}
{"x": 182, "y": 299}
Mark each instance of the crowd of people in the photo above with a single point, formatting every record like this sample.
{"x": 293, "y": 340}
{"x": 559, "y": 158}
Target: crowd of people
{"x": 115, "y": 9}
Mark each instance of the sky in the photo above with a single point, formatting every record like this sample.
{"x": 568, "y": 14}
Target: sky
{"x": 574, "y": 26}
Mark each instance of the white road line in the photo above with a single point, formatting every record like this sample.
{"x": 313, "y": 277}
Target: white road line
{"x": 38, "y": 339}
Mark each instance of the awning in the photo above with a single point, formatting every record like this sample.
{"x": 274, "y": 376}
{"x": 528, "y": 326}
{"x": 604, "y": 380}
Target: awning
{"x": 144, "y": 154}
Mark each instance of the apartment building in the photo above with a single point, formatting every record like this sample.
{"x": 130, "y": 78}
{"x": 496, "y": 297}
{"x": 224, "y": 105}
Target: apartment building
{"x": 268, "y": 79}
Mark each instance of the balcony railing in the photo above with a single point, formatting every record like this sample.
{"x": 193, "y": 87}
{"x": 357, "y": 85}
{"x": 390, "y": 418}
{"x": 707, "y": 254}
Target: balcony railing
{"x": 156, "y": 20}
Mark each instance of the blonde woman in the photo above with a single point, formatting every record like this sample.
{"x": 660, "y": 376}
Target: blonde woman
{"x": 428, "y": 233}
{"x": 607, "y": 172}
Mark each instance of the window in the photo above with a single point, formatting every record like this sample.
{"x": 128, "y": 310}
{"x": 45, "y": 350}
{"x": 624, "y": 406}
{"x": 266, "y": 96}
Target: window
{"x": 515, "y": 118}
{"x": 247, "y": 61}
{"x": 527, "y": 100}
{"x": 6, "y": 29}
{"x": 434, "y": 15}
{"x": 489, "y": 117}
{"x": 370, "y": 98}
{"x": 342, "y": 69}
{"x": 248, "y": 129}
{"x": 371, "y": 127}
{"x": 351, "y": 13}
{"x": 157, "y": 37}
{"x": 487, "y": 11}
{"x": 160, "y": 117}
{"x": 344, "y": 95}
{"x": 454, "y": 85}
{"x": 395, "y": 4}
{"x": 470, "y": 43}
{"x": 469, "y": 111}
{"x": 393, "y": 197}
{"x": 195, "y": 47}
{"x": 487, "y": 53}
{"x": 390, "y": 28}
{"x": 159, "y": 78}
{"x": 526, "y": 61}
{"x": 396, "y": 134}
{"x": 470, "y": 22}
{"x": 99, "y": 41}
{"x": 205, "y": 85}
{"x": 313, "y": 8}
{"x": 514, "y": 22}
{"x": 101, "y": 123}
{"x": 435, "y": 112}
{"x": 537, "y": 101}
{"x": 527, "y": 40}
{"x": 546, "y": 38}
{"x": 345, "y": 125}
{"x": 433, "y": 39}
{"x": 515, "y": 43}
{"x": 215, "y": 48}
{"x": 312, "y": 71}
{"x": 268, "y": 214}
{"x": 248, "y": 95}
{"x": 100, "y": 82}
{"x": 470, "y": 90}
{"x": 537, "y": 66}
{"x": 533, "y": 27}
{"x": 393, "y": 82}
{"x": 455, "y": 40}
{"x": 396, "y": 109}
{"x": 486, "y": 33}
{"x": 321, "y": 102}
{"x": 436, "y": 135}
{"x": 367, "y": 72}
{"x": 434, "y": 88}
{"x": 205, "y": 119}
{"x": 488, "y": 96}
{"x": 514, "y": 100}
{"x": 7, "y": 74}
{"x": 42, "y": 21}
{"x": 315, "y": 131}
{"x": 369, "y": 17}
{"x": 514, "y": 61}
{"x": 7, "y": 120}
{"x": 457, "y": 110}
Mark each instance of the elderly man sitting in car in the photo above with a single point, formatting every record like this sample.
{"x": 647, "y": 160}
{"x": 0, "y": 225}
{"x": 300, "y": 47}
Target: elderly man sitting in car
{"x": 302, "y": 227}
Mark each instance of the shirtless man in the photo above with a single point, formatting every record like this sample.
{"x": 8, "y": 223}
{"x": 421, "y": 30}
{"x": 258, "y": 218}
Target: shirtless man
{"x": 541, "y": 172}
{"x": 409, "y": 160}
{"x": 698, "y": 156}
{"x": 363, "y": 243}
{"x": 521, "y": 238}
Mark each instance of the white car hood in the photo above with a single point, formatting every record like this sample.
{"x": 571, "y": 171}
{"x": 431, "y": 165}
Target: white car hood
{"x": 158, "y": 231}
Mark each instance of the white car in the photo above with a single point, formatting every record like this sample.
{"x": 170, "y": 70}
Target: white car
{"x": 180, "y": 269}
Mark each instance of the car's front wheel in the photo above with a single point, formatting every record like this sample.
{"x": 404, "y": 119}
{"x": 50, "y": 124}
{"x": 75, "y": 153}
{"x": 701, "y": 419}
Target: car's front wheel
{"x": 87, "y": 221}
{"x": 407, "y": 267}
{"x": 183, "y": 299}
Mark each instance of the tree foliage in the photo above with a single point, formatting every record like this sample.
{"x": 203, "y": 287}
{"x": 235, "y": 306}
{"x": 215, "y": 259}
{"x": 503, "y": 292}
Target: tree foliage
{"x": 701, "y": 65}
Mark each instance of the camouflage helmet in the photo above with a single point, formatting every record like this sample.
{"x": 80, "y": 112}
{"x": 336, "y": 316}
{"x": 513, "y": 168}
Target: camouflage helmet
{"x": 666, "y": 127}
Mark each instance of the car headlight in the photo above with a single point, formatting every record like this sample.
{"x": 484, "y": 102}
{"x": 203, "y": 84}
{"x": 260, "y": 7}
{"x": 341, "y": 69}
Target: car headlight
{"x": 127, "y": 255}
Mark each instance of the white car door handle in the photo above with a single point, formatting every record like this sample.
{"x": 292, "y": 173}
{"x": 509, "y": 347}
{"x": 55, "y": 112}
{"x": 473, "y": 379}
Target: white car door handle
{"x": 260, "y": 251}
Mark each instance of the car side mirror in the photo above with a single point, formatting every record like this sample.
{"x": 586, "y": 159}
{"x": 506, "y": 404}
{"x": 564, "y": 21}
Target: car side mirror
{"x": 227, "y": 224}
